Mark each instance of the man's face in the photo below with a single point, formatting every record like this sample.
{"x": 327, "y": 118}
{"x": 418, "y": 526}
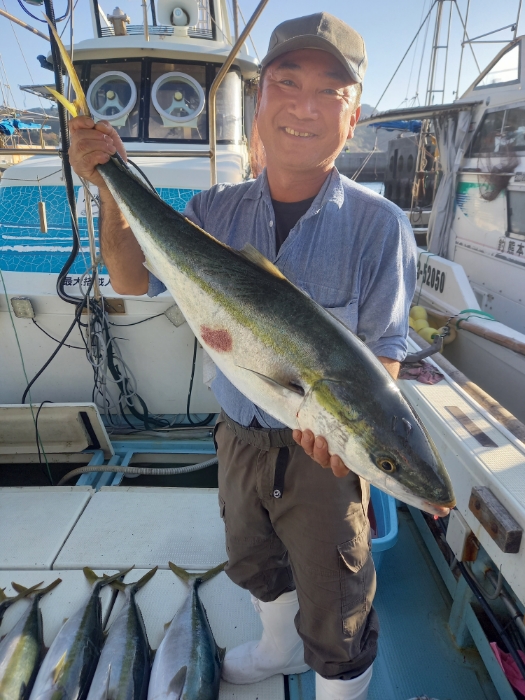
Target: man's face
{"x": 306, "y": 110}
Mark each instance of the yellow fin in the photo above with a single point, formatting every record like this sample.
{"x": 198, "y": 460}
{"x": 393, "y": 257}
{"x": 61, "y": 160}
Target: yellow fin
{"x": 64, "y": 102}
{"x": 59, "y": 667}
{"x": 253, "y": 255}
{"x": 73, "y": 77}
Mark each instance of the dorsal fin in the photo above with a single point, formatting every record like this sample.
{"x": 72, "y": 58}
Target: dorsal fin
{"x": 176, "y": 685}
{"x": 253, "y": 255}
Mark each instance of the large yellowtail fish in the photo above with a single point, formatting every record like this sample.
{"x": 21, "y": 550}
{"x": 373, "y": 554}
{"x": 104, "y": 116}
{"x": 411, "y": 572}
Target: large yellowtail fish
{"x": 280, "y": 348}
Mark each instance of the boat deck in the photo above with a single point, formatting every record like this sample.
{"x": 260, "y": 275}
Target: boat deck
{"x": 417, "y": 654}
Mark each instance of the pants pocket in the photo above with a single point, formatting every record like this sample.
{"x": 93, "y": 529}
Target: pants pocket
{"x": 358, "y": 581}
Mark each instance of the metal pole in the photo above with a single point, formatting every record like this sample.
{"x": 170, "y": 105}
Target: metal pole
{"x": 517, "y": 20}
{"x": 23, "y": 24}
{"x": 145, "y": 16}
{"x": 235, "y": 9}
{"x": 446, "y": 53}
{"x": 462, "y": 44}
{"x": 218, "y": 80}
{"x": 433, "y": 57}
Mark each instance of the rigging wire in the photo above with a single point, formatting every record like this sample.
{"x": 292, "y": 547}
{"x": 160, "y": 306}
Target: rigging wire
{"x": 405, "y": 54}
{"x": 423, "y": 6}
{"x": 421, "y": 59}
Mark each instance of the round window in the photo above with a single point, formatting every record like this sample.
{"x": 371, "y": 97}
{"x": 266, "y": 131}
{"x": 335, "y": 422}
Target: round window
{"x": 112, "y": 96}
{"x": 410, "y": 163}
{"x": 178, "y": 98}
{"x": 400, "y": 163}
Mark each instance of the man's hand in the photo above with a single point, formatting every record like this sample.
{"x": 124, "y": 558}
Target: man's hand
{"x": 91, "y": 145}
{"x": 317, "y": 449}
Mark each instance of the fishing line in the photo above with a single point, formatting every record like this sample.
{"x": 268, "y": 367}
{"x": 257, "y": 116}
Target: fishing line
{"x": 73, "y": 347}
{"x": 25, "y": 373}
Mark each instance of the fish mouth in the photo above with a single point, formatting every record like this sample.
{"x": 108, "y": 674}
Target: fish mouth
{"x": 441, "y": 510}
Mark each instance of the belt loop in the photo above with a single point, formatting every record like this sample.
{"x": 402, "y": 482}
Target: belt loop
{"x": 280, "y": 470}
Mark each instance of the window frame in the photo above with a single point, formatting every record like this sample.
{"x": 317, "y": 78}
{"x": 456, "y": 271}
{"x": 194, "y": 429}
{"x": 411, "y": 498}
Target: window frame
{"x": 144, "y": 97}
{"x": 507, "y": 82}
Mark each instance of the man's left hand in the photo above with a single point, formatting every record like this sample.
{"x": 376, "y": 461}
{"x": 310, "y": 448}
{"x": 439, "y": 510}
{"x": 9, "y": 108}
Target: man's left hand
{"x": 317, "y": 447}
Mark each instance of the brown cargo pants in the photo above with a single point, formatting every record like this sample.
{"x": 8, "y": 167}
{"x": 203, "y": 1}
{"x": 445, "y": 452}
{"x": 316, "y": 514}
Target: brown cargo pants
{"x": 292, "y": 524}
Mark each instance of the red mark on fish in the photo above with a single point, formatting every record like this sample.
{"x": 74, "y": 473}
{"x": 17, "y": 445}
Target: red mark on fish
{"x": 218, "y": 339}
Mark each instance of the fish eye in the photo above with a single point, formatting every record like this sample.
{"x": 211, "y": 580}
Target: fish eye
{"x": 387, "y": 465}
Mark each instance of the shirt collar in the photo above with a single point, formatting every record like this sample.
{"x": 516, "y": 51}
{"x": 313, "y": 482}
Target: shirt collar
{"x": 331, "y": 191}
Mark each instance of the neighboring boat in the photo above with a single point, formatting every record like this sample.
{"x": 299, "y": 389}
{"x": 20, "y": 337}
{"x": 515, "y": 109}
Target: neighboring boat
{"x": 473, "y": 267}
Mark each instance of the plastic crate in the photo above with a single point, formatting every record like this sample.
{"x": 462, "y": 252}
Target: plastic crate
{"x": 386, "y": 520}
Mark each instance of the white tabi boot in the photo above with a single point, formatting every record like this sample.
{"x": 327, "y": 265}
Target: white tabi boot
{"x": 354, "y": 689}
{"x": 280, "y": 649}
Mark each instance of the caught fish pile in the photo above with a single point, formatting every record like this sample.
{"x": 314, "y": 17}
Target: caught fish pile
{"x": 280, "y": 348}
{"x": 83, "y": 663}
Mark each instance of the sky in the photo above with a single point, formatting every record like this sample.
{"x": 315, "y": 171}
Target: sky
{"x": 388, "y": 27}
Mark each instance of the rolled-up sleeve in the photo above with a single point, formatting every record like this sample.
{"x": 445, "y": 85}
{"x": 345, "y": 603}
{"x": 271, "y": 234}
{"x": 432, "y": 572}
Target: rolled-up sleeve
{"x": 192, "y": 211}
{"x": 387, "y": 289}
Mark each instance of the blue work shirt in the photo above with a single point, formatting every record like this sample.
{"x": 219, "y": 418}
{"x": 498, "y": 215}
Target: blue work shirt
{"x": 353, "y": 252}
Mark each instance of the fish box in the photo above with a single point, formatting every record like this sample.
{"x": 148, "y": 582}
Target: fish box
{"x": 383, "y": 522}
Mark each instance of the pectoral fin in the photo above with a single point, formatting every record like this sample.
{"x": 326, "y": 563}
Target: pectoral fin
{"x": 59, "y": 667}
{"x": 278, "y": 382}
{"x": 176, "y": 685}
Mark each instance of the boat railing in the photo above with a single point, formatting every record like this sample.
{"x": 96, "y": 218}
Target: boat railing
{"x": 131, "y": 153}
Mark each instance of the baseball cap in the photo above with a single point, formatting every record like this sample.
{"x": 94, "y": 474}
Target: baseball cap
{"x": 320, "y": 31}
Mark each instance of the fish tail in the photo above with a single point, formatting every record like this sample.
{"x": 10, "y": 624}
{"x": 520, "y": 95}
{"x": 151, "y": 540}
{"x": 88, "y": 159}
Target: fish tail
{"x": 196, "y": 578}
{"x": 2, "y": 595}
{"x": 134, "y": 586}
{"x": 23, "y": 592}
{"x": 104, "y": 580}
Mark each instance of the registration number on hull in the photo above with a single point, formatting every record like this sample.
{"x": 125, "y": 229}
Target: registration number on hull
{"x": 433, "y": 277}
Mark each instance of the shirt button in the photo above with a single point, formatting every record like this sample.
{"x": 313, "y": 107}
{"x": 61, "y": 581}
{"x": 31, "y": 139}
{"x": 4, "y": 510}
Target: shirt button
{"x": 271, "y": 223}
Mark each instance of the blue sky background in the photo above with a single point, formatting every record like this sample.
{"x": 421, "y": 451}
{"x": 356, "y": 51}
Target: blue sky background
{"x": 388, "y": 27}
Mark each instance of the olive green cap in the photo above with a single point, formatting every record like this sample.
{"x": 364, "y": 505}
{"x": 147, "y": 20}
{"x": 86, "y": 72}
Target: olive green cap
{"x": 321, "y": 31}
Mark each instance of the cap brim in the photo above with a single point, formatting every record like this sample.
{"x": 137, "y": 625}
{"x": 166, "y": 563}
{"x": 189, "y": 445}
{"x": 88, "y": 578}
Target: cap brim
{"x": 310, "y": 41}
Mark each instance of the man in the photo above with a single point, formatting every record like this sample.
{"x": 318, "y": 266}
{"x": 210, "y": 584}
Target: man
{"x": 297, "y": 537}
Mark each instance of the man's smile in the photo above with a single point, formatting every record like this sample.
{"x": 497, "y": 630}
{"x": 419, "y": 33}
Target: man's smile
{"x": 294, "y": 132}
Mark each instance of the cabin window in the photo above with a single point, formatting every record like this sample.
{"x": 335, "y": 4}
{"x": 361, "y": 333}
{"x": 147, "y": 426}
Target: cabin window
{"x": 506, "y": 70}
{"x": 500, "y": 133}
{"x": 488, "y": 136}
{"x": 177, "y": 106}
{"x": 516, "y": 212}
{"x": 410, "y": 163}
{"x": 113, "y": 95}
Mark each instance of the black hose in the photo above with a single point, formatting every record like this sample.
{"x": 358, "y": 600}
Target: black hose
{"x": 64, "y": 153}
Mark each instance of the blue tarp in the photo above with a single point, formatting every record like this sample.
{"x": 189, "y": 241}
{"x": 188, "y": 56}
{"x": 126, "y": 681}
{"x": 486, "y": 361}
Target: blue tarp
{"x": 413, "y": 125}
{"x": 9, "y": 126}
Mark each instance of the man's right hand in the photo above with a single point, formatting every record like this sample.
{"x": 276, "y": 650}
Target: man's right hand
{"x": 91, "y": 145}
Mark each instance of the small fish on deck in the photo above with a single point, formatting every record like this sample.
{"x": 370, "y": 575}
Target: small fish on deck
{"x": 124, "y": 666}
{"x": 22, "y": 649}
{"x": 70, "y": 663}
{"x": 188, "y": 661}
